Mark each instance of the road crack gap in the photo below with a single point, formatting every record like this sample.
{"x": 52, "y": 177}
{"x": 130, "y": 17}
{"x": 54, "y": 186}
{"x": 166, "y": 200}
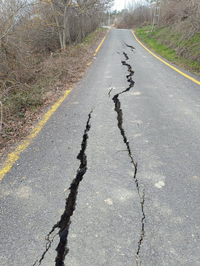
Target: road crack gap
{"x": 130, "y": 46}
{"x": 65, "y": 220}
{"x": 119, "y": 112}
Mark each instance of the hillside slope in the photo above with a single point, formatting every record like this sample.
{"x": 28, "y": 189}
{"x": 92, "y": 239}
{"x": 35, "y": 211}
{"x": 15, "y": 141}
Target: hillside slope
{"x": 178, "y": 46}
{"x": 177, "y": 37}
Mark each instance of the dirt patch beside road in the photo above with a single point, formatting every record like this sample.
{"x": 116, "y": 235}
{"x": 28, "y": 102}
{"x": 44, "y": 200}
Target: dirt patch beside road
{"x": 54, "y": 75}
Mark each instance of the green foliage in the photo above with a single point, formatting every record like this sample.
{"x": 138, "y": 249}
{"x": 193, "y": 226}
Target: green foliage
{"x": 173, "y": 46}
{"x": 150, "y": 38}
{"x": 23, "y": 99}
{"x": 90, "y": 38}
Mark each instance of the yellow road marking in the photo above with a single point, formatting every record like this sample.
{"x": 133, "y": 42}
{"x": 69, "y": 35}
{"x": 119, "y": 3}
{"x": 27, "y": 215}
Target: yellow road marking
{"x": 96, "y": 51}
{"x": 14, "y": 156}
{"x": 177, "y": 70}
{"x": 101, "y": 43}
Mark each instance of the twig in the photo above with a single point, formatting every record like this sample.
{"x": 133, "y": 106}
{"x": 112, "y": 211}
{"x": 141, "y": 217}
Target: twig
{"x": 1, "y": 121}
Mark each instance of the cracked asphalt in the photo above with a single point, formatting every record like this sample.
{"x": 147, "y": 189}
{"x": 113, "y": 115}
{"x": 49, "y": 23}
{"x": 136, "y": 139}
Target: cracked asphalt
{"x": 148, "y": 135}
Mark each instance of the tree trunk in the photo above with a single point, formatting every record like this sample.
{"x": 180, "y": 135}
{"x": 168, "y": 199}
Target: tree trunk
{"x": 66, "y": 30}
{"x": 82, "y": 26}
{"x": 57, "y": 24}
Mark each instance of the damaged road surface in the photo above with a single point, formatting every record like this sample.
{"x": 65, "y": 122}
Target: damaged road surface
{"x": 134, "y": 199}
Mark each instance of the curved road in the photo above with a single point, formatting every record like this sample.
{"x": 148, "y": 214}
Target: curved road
{"x": 125, "y": 157}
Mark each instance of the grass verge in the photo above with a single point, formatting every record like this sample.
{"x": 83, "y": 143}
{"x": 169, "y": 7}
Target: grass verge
{"x": 175, "y": 46}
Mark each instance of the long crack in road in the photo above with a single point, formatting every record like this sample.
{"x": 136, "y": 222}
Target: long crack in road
{"x": 119, "y": 112}
{"x": 64, "y": 223}
{"x": 65, "y": 220}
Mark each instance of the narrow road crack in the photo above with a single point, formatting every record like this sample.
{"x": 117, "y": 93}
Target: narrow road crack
{"x": 119, "y": 112}
{"x": 142, "y": 234}
{"x": 126, "y": 56}
{"x": 65, "y": 220}
{"x": 130, "y": 46}
{"x": 110, "y": 91}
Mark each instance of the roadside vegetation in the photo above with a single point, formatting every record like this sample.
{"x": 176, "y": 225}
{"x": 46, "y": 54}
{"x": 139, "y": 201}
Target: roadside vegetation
{"x": 173, "y": 46}
{"x": 45, "y": 46}
{"x": 44, "y": 49}
{"x": 24, "y": 101}
{"x": 176, "y": 37}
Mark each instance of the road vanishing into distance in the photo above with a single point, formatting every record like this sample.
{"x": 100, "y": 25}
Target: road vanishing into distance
{"x": 113, "y": 178}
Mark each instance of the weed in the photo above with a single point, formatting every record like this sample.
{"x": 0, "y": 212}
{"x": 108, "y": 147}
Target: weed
{"x": 89, "y": 40}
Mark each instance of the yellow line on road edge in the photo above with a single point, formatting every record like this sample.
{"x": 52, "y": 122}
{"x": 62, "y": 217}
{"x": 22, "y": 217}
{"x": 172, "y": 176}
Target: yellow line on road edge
{"x": 185, "y": 75}
{"x": 101, "y": 43}
{"x": 14, "y": 156}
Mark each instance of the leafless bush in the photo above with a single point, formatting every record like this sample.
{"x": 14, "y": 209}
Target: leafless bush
{"x": 35, "y": 39}
{"x": 171, "y": 11}
{"x": 134, "y": 16}
{"x": 51, "y": 77}
{"x": 181, "y": 10}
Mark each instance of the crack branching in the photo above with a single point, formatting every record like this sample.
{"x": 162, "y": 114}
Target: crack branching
{"x": 119, "y": 112}
{"x": 48, "y": 246}
{"x": 64, "y": 223}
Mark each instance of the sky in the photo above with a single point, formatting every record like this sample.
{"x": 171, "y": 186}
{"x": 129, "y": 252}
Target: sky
{"x": 120, "y": 4}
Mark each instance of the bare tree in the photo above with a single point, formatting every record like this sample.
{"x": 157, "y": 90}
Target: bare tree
{"x": 135, "y": 15}
{"x": 63, "y": 9}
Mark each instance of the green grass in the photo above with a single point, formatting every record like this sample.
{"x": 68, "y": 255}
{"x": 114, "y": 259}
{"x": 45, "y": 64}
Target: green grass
{"x": 173, "y": 46}
{"x": 91, "y": 38}
{"x": 151, "y": 40}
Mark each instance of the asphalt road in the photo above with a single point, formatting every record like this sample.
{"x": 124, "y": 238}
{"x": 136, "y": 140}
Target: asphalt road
{"x": 136, "y": 193}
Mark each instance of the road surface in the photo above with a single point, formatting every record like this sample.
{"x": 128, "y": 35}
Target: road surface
{"x": 113, "y": 178}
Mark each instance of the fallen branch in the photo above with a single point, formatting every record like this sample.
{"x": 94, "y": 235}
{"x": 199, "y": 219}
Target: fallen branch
{"x": 1, "y": 120}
